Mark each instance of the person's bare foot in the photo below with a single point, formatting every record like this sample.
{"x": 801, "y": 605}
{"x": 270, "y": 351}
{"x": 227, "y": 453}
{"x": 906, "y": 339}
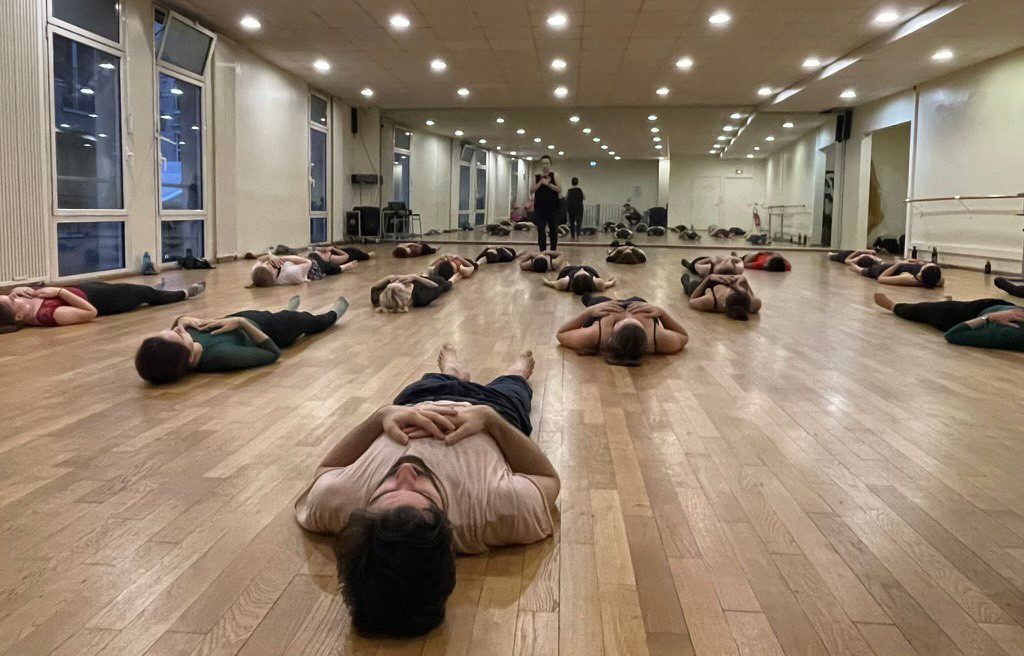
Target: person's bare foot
{"x": 523, "y": 365}
{"x": 448, "y": 363}
{"x": 881, "y": 300}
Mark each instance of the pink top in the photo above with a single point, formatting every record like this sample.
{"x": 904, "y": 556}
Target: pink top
{"x": 44, "y": 315}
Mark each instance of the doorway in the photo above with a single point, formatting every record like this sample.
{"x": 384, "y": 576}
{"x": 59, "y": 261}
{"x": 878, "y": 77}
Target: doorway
{"x": 829, "y": 193}
{"x": 887, "y": 188}
{"x": 737, "y": 203}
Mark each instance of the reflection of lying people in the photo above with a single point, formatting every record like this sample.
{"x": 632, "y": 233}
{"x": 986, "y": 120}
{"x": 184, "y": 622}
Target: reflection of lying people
{"x": 723, "y": 233}
{"x": 447, "y": 469}
{"x": 703, "y": 266}
{"x": 986, "y": 323}
{"x": 720, "y": 293}
{"x": 628, "y": 254}
{"x": 766, "y": 261}
{"x": 626, "y": 330}
{"x": 539, "y": 262}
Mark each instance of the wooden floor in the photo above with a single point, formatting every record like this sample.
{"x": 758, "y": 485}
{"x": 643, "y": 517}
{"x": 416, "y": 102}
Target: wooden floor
{"x": 826, "y": 479}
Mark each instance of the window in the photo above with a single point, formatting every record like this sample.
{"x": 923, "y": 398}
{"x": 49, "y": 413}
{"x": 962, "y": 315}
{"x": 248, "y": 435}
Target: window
{"x": 181, "y": 144}
{"x": 89, "y": 247}
{"x": 184, "y": 45}
{"x": 402, "y": 166}
{"x": 481, "y": 188}
{"x": 514, "y": 198}
{"x": 472, "y": 186}
{"x": 319, "y": 169}
{"x": 465, "y": 181}
{"x": 87, "y": 126}
{"x": 101, "y": 17}
{"x": 182, "y": 238}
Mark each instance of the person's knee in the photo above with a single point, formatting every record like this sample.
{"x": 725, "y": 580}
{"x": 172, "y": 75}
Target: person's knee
{"x": 396, "y": 569}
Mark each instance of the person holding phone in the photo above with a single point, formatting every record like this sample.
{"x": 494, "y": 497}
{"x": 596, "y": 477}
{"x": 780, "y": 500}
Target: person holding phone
{"x": 545, "y": 192}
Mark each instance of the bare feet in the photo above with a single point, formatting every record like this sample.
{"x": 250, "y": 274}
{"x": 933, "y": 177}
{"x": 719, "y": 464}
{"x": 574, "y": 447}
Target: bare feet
{"x": 523, "y": 365}
{"x": 195, "y": 289}
{"x": 448, "y": 363}
{"x": 884, "y": 301}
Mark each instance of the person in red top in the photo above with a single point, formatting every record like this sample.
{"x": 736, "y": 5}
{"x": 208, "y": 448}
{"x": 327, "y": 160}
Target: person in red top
{"x": 766, "y": 261}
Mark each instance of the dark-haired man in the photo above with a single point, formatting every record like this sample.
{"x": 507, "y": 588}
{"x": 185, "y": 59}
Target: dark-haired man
{"x": 448, "y": 468}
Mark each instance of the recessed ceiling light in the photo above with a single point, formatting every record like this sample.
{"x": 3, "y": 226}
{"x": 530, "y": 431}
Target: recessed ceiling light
{"x": 812, "y": 62}
{"x": 719, "y": 18}
{"x": 438, "y": 64}
{"x": 769, "y": 138}
{"x": 655, "y": 130}
{"x": 604, "y": 146}
{"x": 652, "y": 117}
{"x": 529, "y": 159}
{"x": 662, "y": 91}
{"x": 593, "y": 163}
{"x": 617, "y": 158}
{"x": 520, "y": 131}
{"x": 483, "y": 141}
{"x": 399, "y": 21}
{"x": 712, "y": 152}
{"x": 788, "y": 125}
{"x": 849, "y": 94}
{"x": 94, "y": 115}
{"x": 181, "y": 143}
{"x": 558, "y": 20}
{"x": 513, "y": 152}
{"x": 736, "y": 116}
{"x": 574, "y": 119}
{"x": 729, "y": 128}
{"x": 322, "y": 65}
{"x": 887, "y": 17}
{"x": 723, "y": 138}
{"x": 551, "y": 146}
{"x": 430, "y": 122}
{"x": 250, "y": 23}
{"x": 499, "y": 147}
{"x": 597, "y": 139}
{"x": 463, "y": 91}
{"x": 943, "y": 55}
{"x": 611, "y": 152}
{"x": 686, "y": 63}
{"x": 88, "y": 145}
{"x": 657, "y": 146}
{"x": 459, "y": 133}
{"x": 561, "y": 152}
{"x": 657, "y": 139}
{"x": 558, "y": 64}
{"x": 757, "y": 148}
{"x": 101, "y": 135}
{"x": 107, "y": 66}
{"x": 499, "y": 120}
{"x": 367, "y": 92}
{"x": 536, "y": 140}
{"x": 561, "y": 92}
{"x": 587, "y": 130}
{"x": 750, "y": 155}
{"x": 764, "y": 92}
{"x": 408, "y": 134}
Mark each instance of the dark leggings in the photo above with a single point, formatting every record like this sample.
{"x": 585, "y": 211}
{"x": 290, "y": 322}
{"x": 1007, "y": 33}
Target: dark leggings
{"x": 115, "y": 298}
{"x": 286, "y": 326}
{"x": 355, "y": 254}
{"x": 594, "y": 299}
{"x": 547, "y": 220}
{"x": 327, "y": 268}
{"x": 944, "y": 314}
{"x": 690, "y": 283}
{"x": 575, "y": 223}
{"x": 1012, "y": 286}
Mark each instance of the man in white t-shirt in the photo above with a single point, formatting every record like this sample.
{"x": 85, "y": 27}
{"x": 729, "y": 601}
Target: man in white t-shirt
{"x": 448, "y": 468}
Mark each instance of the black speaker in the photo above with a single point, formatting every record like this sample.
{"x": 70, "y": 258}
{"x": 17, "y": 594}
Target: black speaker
{"x": 355, "y": 121}
{"x": 844, "y": 124}
{"x": 367, "y": 179}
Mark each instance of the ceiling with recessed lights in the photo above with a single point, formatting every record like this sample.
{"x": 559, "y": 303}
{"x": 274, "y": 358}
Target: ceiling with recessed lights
{"x": 650, "y": 54}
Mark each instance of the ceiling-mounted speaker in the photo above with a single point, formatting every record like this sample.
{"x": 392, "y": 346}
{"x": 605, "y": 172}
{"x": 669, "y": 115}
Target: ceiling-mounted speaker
{"x": 355, "y": 121}
{"x": 844, "y": 125}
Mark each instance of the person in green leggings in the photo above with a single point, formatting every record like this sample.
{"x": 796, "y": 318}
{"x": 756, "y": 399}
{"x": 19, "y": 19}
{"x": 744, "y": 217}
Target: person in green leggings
{"x": 243, "y": 340}
{"x": 986, "y": 323}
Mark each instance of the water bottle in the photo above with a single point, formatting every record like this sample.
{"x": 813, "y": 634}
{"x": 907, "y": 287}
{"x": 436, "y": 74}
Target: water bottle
{"x": 935, "y": 255}
{"x": 913, "y": 253}
{"x": 988, "y": 267}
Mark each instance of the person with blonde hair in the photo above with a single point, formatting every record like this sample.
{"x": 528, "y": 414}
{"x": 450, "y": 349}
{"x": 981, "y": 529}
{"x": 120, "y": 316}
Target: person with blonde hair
{"x": 398, "y": 294}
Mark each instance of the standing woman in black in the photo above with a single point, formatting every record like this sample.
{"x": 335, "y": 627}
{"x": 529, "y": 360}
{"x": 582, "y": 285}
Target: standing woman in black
{"x": 545, "y": 205}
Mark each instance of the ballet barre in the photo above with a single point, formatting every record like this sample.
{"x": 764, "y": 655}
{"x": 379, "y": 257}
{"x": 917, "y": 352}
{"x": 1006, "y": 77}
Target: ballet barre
{"x": 779, "y": 211}
{"x": 960, "y": 198}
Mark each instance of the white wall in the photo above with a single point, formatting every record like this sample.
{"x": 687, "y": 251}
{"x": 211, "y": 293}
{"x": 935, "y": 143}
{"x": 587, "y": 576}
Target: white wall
{"x": 610, "y": 181}
{"x": 890, "y": 155}
{"x": 431, "y": 178}
{"x": 796, "y": 176}
{"x": 686, "y": 171}
{"x": 498, "y": 187}
{"x": 664, "y": 181}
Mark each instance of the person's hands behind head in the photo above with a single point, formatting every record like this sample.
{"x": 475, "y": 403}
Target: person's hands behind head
{"x": 402, "y": 423}
{"x": 1008, "y": 318}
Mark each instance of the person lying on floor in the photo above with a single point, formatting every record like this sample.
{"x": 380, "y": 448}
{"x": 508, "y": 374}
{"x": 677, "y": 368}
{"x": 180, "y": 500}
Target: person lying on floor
{"x": 243, "y": 340}
{"x": 625, "y": 329}
{"x": 730, "y": 294}
{"x": 452, "y": 267}
{"x": 862, "y": 257}
{"x": 579, "y": 280}
{"x": 447, "y": 469}
{"x": 1012, "y": 286}
{"x": 766, "y": 261}
{"x": 496, "y": 255}
{"x": 398, "y": 294}
{"x": 628, "y": 254}
{"x": 906, "y": 273}
{"x": 539, "y": 262}
{"x": 65, "y": 306}
{"x": 342, "y": 254}
{"x": 413, "y": 249}
{"x": 987, "y": 323}
{"x": 704, "y": 265}
{"x": 271, "y": 270}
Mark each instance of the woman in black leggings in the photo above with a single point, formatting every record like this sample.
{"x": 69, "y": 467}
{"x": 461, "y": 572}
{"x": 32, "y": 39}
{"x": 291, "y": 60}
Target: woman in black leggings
{"x": 546, "y": 205}
{"x": 1012, "y": 286}
{"x": 942, "y": 315}
{"x": 496, "y": 255}
{"x": 83, "y": 302}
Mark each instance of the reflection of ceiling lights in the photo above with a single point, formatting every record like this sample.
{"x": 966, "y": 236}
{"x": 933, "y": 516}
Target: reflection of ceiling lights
{"x": 529, "y": 159}
{"x": 551, "y": 146}
{"x": 94, "y": 115}
{"x": 684, "y": 64}
{"x": 408, "y": 134}
{"x": 712, "y": 152}
{"x": 723, "y": 138}
{"x": 604, "y": 146}
{"x": 438, "y": 65}
{"x": 181, "y": 143}
{"x": 87, "y": 145}
{"x": 102, "y": 135}
{"x": 483, "y": 141}
{"x": 558, "y": 64}
{"x": 558, "y": 20}
{"x": 597, "y": 139}
{"x": 250, "y": 23}
{"x": 611, "y": 152}
{"x": 65, "y": 126}
{"x": 736, "y": 116}
{"x": 196, "y": 127}
{"x": 657, "y": 147}
{"x": 166, "y": 117}
{"x": 561, "y": 92}
{"x": 399, "y": 21}
{"x": 322, "y": 65}
{"x": 513, "y": 152}
{"x": 729, "y": 128}
{"x": 757, "y": 148}
{"x": 108, "y": 66}
{"x": 750, "y": 156}
{"x": 88, "y": 92}
{"x": 463, "y": 91}
{"x": 656, "y": 139}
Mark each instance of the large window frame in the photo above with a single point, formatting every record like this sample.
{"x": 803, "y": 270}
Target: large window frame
{"x": 406, "y": 153}
{"x": 325, "y": 129}
{"x": 58, "y": 215}
{"x": 472, "y": 167}
{"x": 158, "y": 52}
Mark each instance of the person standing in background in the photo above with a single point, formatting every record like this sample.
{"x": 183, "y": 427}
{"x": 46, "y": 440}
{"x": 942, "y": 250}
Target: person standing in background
{"x": 545, "y": 192}
{"x": 574, "y": 198}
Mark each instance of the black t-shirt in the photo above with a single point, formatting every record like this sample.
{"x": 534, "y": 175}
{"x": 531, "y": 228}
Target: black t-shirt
{"x": 545, "y": 199}
{"x": 423, "y": 295}
{"x": 574, "y": 197}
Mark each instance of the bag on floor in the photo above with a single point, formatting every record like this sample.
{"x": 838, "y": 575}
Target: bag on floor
{"x": 190, "y": 262}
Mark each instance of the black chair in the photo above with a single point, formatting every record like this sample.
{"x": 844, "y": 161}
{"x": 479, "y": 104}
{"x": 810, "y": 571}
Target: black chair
{"x": 400, "y": 222}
